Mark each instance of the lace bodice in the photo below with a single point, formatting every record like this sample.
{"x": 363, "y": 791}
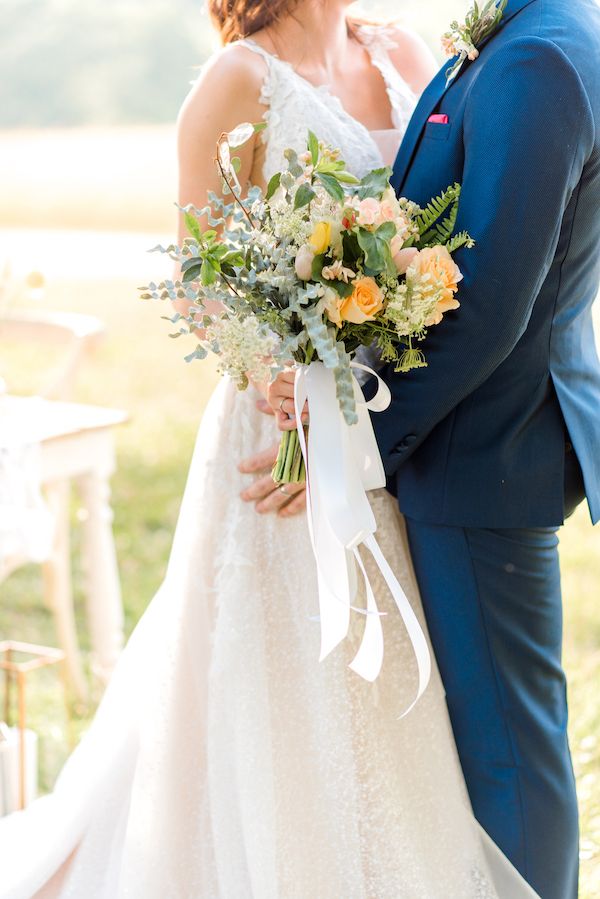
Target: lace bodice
{"x": 293, "y": 105}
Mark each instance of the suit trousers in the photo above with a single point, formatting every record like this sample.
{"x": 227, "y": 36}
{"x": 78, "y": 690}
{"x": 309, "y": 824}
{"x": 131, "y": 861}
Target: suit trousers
{"x": 493, "y": 604}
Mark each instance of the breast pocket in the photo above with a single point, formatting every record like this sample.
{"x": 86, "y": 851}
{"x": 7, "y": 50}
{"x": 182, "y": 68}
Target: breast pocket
{"x": 437, "y": 131}
{"x": 437, "y": 163}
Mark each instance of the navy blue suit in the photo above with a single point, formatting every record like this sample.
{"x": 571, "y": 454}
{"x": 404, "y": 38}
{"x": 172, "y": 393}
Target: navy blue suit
{"x": 492, "y": 445}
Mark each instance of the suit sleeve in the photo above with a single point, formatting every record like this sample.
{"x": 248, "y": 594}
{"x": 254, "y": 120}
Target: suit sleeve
{"x": 528, "y": 130}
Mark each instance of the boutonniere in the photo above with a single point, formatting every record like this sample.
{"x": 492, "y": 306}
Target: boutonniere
{"x": 463, "y": 40}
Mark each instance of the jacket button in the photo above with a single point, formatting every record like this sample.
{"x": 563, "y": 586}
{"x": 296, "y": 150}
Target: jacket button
{"x": 404, "y": 443}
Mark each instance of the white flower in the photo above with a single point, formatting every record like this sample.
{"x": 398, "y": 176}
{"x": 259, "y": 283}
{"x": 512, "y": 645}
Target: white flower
{"x": 337, "y": 272}
{"x": 244, "y": 347}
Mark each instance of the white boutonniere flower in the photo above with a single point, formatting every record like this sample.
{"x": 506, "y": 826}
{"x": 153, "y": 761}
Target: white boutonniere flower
{"x": 462, "y": 40}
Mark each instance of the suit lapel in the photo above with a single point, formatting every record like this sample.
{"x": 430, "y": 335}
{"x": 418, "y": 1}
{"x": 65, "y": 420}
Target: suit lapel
{"x": 431, "y": 98}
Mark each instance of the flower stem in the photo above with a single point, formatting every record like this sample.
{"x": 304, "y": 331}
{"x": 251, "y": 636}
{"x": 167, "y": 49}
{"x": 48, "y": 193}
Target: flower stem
{"x": 289, "y": 467}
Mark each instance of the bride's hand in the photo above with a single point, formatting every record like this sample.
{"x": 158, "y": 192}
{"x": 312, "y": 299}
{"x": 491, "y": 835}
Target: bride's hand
{"x": 280, "y": 396}
{"x": 266, "y": 496}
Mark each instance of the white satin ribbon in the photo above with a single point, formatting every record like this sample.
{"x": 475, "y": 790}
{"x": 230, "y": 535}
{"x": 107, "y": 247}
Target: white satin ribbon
{"x": 343, "y": 463}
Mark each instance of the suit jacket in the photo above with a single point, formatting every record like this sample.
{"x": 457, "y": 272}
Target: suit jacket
{"x": 478, "y": 438}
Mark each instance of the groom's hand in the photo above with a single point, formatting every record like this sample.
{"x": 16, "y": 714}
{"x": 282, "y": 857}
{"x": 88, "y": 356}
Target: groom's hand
{"x": 266, "y": 496}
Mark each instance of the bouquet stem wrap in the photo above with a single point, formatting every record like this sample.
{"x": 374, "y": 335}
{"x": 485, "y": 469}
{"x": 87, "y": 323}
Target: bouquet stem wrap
{"x": 342, "y": 463}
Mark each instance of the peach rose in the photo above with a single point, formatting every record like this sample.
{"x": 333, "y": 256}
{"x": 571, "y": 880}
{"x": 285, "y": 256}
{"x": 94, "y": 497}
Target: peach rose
{"x": 368, "y": 211}
{"x": 363, "y": 304}
{"x": 404, "y": 258}
{"x": 387, "y": 212}
{"x": 303, "y": 262}
{"x": 320, "y": 239}
{"x": 437, "y": 276}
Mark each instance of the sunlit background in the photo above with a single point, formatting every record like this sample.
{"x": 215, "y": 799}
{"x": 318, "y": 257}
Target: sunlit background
{"x": 89, "y": 91}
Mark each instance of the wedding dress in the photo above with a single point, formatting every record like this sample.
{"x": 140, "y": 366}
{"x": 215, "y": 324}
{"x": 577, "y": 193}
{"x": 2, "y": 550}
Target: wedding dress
{"x": 225, "y": 762}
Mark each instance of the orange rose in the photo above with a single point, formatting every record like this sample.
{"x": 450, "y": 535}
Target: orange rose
{"x": 363, "y": 304}
{"x": 434, "y": 272}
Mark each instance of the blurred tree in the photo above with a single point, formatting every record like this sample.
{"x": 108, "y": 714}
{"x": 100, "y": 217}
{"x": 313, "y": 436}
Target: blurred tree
{"x": 111, "y": 62}
{"x": 71, "y": 62}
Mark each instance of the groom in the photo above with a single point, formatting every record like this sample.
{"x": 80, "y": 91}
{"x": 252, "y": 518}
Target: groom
{"x": 492, "y": 446}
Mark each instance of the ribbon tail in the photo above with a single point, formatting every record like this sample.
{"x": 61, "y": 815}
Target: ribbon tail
{"x": 411, "y": 622}
{"x": 369, "y": 658}
{"x": 334, "y": 617}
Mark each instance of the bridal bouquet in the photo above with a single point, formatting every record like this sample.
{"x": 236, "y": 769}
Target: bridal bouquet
{"x": 318, "y": 265}
{"x": 315, "y": 267}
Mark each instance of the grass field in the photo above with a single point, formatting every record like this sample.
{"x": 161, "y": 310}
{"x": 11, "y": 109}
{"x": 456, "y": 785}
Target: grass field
{"x": 139, "y": 369}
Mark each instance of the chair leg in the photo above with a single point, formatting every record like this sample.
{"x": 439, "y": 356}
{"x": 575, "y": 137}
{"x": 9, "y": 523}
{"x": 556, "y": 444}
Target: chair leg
{"x": 104, "y": 605}
{"x": 58, "y": 593}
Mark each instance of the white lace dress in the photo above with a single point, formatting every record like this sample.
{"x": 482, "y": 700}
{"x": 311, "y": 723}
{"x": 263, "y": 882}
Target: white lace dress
{"x": 224, "y": 761}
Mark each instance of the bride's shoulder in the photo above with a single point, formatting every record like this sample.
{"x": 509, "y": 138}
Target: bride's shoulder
{"x": 230, "y": 82}
{"x": 407, "y": 50}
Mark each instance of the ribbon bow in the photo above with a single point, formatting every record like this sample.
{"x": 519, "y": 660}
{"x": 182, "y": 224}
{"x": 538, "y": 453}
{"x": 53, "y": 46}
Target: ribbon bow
{"x": 342, "y": 465}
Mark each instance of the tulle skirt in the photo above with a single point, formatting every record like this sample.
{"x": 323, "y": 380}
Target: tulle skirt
{"x": 226, "y": 762}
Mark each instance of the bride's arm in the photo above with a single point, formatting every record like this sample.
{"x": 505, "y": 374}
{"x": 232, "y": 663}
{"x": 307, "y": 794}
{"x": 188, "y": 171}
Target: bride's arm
{"x": 226, "y": 94}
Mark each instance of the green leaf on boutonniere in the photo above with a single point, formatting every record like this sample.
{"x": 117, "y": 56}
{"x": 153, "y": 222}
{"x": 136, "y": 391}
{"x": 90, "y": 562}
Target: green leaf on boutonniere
{"x": 463, "y": 40}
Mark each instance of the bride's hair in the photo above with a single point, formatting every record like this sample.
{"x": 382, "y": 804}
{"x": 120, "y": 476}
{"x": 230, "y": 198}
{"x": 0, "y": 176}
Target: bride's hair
{"x": 237, "y": 19}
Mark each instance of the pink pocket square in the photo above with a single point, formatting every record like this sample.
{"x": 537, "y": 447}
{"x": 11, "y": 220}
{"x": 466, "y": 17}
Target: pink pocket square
{"x": 439, "y": 119}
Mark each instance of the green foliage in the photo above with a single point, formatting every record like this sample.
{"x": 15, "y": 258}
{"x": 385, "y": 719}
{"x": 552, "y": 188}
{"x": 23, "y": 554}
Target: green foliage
{"x": 376, "y": 247}
{"x": 463, "y": 239}
{"x": 332, "y": 186}
{"x": 321, "y": 337}
{"x": 304, "y": 195}
{"x": 375, "y": 183}
{"x": 313, "y": 147}
{"x": 273, "y": 185}
{"x": 433, "y": 231}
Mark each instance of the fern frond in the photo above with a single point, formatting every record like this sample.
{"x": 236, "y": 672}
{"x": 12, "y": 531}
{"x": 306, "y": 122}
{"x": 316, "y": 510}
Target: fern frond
{"x": 437, "y": 208}
{"x": 463, "y": 239}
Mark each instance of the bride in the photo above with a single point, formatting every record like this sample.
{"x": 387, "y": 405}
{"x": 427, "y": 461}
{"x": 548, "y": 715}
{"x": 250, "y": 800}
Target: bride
{"x": 224, "y": 762}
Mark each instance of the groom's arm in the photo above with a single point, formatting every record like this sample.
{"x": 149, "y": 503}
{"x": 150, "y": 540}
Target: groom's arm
{"x": 528, "y": 131}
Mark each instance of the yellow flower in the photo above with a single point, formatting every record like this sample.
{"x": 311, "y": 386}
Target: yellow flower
{"x": 363, "y": 304}
{"x": 320, "y": 239}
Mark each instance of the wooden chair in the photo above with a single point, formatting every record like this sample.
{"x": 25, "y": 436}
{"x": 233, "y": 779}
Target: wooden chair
{"x": 77, "y": 336}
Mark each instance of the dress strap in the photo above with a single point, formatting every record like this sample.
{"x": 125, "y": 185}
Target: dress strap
{"x": 249, "y": 44}
{"x": 378, "y": 40}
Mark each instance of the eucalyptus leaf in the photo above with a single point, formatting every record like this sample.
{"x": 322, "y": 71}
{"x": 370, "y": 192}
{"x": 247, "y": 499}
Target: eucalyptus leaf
{"x": 192, "y": 273}
{"x": 273, "y": 185}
